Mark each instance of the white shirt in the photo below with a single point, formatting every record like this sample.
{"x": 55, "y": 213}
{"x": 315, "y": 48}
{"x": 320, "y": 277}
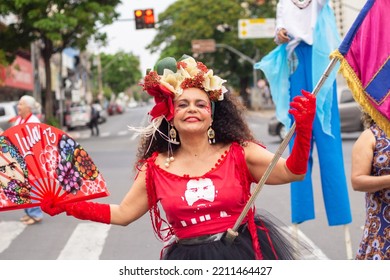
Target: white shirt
{"x": 31, "y": 119}
{"x": 299, "y": 23}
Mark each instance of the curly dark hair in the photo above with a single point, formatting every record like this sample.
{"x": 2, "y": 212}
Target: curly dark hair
{"x": 367, "y": 120}
{"x": 229, "y": 125}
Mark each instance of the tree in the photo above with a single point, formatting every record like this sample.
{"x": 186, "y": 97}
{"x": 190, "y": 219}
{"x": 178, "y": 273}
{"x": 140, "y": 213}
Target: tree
{"x": 119, "y": 71}
{"x": 57, "y": 24}
{"x": 186, "y": 20}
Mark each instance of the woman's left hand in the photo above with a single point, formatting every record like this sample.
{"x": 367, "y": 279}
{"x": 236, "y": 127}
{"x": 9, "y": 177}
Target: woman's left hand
{"x": 303, "y": 108}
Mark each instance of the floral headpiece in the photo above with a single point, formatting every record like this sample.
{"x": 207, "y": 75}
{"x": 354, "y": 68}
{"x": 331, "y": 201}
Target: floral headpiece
{"x": 168, "y": 81}
{"x": 170, "y": 78}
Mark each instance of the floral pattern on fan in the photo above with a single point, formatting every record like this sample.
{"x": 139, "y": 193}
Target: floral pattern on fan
{"x": 38, "y": 160}
{"x": 49, "y": 159}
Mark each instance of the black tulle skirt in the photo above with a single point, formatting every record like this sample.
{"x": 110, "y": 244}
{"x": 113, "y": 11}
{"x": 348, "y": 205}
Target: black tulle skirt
{"x": 276, "y": 243}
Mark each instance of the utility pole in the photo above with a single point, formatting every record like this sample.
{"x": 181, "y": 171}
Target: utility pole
{"x": 100, "y": 78}
{"x": 35, "y": 57}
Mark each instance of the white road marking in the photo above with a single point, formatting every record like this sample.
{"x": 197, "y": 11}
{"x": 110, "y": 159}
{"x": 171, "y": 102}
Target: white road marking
{"x": 86, "y": 242}
{"x": 8, "y": 232}
{"x": 88, "y": 239}
{"x": 122, "y": 133}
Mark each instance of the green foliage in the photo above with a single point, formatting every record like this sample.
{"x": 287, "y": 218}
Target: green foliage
{"x": 53, "y": 121}
{"x": 186, "y": 20}
{"x": 119, "y": 72}
{"x": 58, "y": 24}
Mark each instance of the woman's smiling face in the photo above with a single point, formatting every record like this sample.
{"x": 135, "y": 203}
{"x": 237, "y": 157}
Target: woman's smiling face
{"x": 192, "y": 111}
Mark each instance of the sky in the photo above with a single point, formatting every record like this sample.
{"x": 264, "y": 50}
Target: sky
{"x": 122, "y": 35}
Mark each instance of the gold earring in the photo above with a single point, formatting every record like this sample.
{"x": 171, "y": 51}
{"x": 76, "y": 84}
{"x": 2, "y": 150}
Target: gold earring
{"x": 172, "y": 134}
{"x": 211, "y": 135}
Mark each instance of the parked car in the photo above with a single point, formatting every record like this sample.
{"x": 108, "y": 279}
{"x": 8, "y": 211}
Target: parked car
{"x": 78, "y": 116}
{"x": 102, "y": 112}
{"x": 8, "y": 112}
{"x": 350, "y": 116}
{"x": 114, "y": 108}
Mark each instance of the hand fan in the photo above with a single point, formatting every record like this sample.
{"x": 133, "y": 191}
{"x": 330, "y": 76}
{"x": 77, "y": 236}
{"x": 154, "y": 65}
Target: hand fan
{"x": 38, "y": 160}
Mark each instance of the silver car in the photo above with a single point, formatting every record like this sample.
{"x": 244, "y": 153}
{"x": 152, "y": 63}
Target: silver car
{"x": 78, "y": 116}
{"x": 350, "y": 116}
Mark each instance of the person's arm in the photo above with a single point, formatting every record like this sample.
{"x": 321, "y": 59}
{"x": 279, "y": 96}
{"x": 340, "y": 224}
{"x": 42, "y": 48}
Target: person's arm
{"x": 281, "y": 34}
{"x": 132, "y": 207}
{"x": 362, "y": 157}
{"x": 294, "y": 168}
{"x": 258, "y": 159}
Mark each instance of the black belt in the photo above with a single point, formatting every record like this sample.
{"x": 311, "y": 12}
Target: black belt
{"x": 208, "y": 238}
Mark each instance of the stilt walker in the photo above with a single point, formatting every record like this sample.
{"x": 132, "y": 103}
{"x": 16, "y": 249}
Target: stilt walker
{"x": 297, "y": 63}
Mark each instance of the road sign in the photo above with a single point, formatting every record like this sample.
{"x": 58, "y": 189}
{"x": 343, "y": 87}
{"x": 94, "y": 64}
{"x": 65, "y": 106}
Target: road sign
{"x": 255, "y": 28}
{"x": 203, "y": 46}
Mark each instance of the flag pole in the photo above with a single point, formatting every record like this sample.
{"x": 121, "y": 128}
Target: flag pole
{"x": 231, "y": 234}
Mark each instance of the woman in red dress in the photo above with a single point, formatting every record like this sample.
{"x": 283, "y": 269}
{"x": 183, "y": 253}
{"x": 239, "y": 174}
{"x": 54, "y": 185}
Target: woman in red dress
{"x": 197, "y": 160}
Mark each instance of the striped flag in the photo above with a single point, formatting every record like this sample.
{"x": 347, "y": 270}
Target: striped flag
{"x": 364, "y": 61}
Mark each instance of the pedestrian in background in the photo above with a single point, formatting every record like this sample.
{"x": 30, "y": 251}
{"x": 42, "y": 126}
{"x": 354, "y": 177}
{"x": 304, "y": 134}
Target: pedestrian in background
{"x": 371, "y": 174}
{"x": 94, "y": 122}
{"x": 197, "y": 160}
{"x": 28, "y": 110}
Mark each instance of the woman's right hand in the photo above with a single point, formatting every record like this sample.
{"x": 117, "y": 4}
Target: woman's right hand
{"x": 49, "y": 206}
{"x": 282, "y": 36}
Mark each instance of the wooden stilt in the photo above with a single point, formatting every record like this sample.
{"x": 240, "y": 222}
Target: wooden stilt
{"x": 348, "y": 243}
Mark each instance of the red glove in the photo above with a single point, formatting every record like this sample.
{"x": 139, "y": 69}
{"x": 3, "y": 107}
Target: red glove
{"x": 83, "y": 210}
{"x": 303, "y": 108}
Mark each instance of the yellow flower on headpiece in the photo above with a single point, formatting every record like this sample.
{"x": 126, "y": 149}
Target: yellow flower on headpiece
{"x": 172, "y": 81}
{"x": 214, "y": 84}
{"x": 188, "y": 67}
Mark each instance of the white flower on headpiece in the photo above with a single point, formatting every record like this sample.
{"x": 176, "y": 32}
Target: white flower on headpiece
{"x": 191, "y": 69}
{"x": 172, "y": 81}
{"x": 214, "y": 83}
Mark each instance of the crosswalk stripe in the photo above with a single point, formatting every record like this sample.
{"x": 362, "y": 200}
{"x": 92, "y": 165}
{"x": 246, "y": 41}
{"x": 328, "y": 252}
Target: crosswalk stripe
{"x": 88, "y": 239}
{"x": 9, "y": 231}
{"x": 86, "y": 242}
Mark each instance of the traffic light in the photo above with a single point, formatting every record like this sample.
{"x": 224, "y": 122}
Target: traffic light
{"x": 149, "y": 18}
{"x": 144, "y": 18}
{"x": 139, "y": 19}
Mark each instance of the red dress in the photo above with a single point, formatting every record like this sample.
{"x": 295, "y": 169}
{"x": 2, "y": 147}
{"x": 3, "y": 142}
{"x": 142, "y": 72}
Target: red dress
{"x": 197, "y": 207}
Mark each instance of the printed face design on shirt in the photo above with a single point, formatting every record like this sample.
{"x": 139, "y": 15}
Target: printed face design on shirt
{"x": 199, "y": 190}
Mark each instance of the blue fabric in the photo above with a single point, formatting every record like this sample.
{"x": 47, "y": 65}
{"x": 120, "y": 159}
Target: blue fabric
{"x": 330, "y": 156}
{"x": 275, "y": 66}
{"x": 346, "y": 44}
{"x": 379, "y": 87}
{"x": 276, "y": 69}
{"x": 323, "y": 45}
